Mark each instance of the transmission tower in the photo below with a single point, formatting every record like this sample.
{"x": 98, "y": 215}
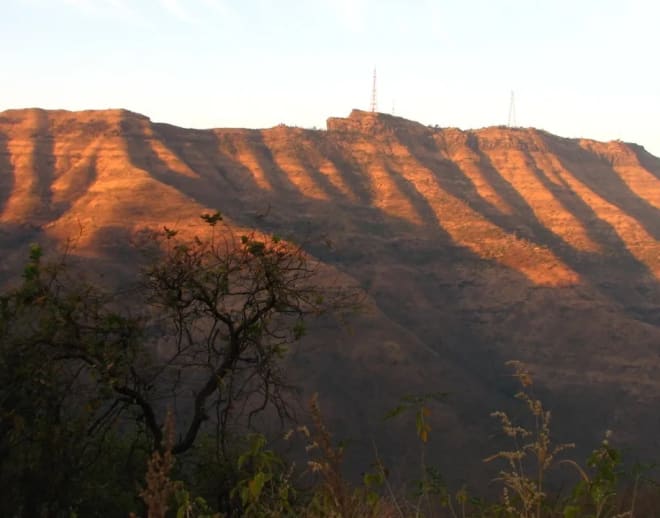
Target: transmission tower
{"x": 373, "y": 94}
{"x": 512, "y": 112}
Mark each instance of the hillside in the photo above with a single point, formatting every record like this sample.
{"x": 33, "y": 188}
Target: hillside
{"x": 474, "y": 247}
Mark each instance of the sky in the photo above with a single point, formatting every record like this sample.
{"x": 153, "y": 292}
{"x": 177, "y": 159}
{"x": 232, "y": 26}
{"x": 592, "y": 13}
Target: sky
{"x": 578, "y": 68}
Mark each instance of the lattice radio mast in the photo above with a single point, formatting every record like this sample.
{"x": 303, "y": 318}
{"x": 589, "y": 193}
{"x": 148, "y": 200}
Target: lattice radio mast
{"x": 512, "y": 112}
{"x": 373, "y": 94}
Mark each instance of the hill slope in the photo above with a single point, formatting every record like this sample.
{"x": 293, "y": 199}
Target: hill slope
{"x": 474, "y": 247}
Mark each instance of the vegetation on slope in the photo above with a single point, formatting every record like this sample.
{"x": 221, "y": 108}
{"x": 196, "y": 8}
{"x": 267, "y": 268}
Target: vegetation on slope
{"x": 110, "y": 405}
{"x": 472, "y": 247}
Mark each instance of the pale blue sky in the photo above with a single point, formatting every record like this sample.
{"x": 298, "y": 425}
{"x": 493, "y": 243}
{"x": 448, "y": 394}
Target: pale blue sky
{"x": 579, "y": 68}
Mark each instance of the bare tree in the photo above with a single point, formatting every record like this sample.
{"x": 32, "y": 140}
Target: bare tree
{"x": 204, "y": 339}
{"x": 225, "y": 309}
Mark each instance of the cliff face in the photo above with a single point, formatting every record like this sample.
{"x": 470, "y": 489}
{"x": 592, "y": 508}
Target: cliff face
{"x": 475, "y": 247}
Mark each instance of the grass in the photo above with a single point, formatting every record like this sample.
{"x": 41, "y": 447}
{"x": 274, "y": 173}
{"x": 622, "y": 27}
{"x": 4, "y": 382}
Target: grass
{"x": 271, "y": 487}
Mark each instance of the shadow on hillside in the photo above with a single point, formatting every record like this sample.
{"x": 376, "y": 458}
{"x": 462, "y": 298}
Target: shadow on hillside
{"x": 42, "y": 203}
{"x": 648, "y": 161}
{"x": 336, "y": 218}
{"x": 347, "y": 167}
{"x": 206, "y": 189}
{"x": 303, "y": 159}
{"x": 592, "y": 267}
{"x": 7, "y": 175}
{"x": 36, "y": 202}
{"x": 416, "y": 274}
{"x": 602, "y": 179}
{"x": 294, "y": 213}
{"x": 43, "y": 160}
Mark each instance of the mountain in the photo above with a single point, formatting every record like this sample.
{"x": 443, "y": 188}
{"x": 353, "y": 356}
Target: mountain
{"x": 472, "y": 247}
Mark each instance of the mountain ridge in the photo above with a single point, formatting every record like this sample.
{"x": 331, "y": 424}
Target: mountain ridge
{"x": 473, "y": 247}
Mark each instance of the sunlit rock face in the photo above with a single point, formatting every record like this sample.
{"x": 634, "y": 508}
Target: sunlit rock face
{"x": 472, "y": 248}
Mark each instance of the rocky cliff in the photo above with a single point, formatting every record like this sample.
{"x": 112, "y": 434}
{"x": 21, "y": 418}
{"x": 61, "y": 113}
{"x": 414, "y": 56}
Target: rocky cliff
{"x": 473, "y": 247}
